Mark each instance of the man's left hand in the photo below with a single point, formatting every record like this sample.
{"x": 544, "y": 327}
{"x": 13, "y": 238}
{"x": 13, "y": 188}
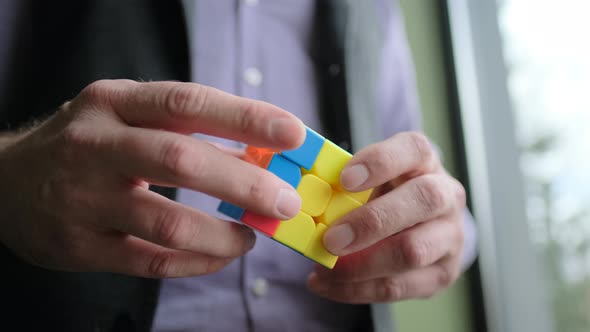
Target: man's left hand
{"x": 407, "y": 241}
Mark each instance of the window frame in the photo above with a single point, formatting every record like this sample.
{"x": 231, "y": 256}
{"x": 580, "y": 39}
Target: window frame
{"x": 511, "y": 279}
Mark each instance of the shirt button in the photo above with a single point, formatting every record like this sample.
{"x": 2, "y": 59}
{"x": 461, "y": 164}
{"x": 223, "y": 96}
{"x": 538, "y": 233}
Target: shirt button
{"x": 251, "y": 2}
{"x": 253, "y": 76}
{"x": 260, "y": 287}
{"x": 334, "y": 69}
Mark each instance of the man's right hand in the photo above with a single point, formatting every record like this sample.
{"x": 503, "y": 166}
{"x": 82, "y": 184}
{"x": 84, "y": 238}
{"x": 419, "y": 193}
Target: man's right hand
{"x": 74, "y": 190}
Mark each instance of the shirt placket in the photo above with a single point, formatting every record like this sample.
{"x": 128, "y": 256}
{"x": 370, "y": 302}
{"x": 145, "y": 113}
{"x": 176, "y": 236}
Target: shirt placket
{"x": 250, "y": 78}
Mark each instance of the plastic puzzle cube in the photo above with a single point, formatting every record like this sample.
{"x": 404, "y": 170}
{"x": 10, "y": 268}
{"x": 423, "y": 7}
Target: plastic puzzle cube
{"x": 314, "y": 170}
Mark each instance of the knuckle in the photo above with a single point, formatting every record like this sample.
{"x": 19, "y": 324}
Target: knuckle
{"x": 372, "y": 221}
{"x": 75, "y": 134}
{"x": 391, "y": 289}
{"x": 430, "y": 195}
{"x": 77, "y": 140}
{"x": 422, "y": 146}
{"x": 255, "y": 190}
{"x": 249, "y": 116}
{"x": 173, "y": 230}
{"x": 98, "y": 93}
{"x": 161, "y": 264}
{"x": 446, "y": 275}
{"x": 414, "y": 254}
{"x": 177, "y": 159}
{"x": 97, "y": 90}
{"x": 381, "y": 159}
{"x": 185, "y": 99}
{"x": 214, "y": 265}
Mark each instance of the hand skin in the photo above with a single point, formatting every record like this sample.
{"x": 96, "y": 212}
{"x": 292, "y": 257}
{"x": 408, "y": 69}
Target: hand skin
{"x": 74, "y": 193}
{"x": 407, "y": 241}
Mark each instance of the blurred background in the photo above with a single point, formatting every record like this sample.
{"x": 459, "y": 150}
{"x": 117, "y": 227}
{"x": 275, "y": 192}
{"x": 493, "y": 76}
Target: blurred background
{"x": 505, "y": 91}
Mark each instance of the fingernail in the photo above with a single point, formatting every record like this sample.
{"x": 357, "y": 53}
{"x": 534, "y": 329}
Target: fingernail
{"x": 283, "y": 129}
{"x": 338, "y": 237}
{"x": 353, "y": 177}
{"x": 315, "y": 284}
{"x": 288, "y": 203}
{"x": 250, "y": 241}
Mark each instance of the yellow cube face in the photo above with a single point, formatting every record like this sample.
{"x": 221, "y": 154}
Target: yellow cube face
{"x": 339, "y": 205}
{"x": 316, "y": 250}
{"x": 330, "y": 162}
{"x": 361, "y": 197}
{"x": 315, "y": 194}
{"x": 297, "y": 232}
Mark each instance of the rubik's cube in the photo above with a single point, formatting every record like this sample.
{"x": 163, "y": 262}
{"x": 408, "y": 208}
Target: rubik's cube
{"x": 314, "y": 170}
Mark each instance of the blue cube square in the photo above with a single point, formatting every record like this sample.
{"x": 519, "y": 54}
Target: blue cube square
{"x": 231, "y": 210}
{"x": 285, "y": 169}
{"x": 306, "y": 154}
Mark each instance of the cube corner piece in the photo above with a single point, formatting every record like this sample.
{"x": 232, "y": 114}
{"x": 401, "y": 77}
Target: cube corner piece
{"x": 330, "y": 162}
{"x": 296, "y": 233}
{"x": 266, "y": 225}
{"x": 259, "y": 156}
{"x": 316, "y": 251}
{"x": 305, "y": 155}
{"x": 231, "y": 210}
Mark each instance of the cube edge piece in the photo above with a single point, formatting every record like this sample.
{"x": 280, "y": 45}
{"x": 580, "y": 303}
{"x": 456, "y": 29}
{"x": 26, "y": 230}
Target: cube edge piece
{"x": 253, "y": 220}
{"x": 285, "y": 226}
{"x": 329, "y": 163}
{"x": 306, "y": 155}
{"x": 279, "y": 163}
{"x": 231, "y": 210}
{"x": 317, "y": 252}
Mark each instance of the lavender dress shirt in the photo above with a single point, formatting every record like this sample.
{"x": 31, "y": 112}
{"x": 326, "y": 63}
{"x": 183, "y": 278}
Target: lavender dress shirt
{"x": 257, "y": 49}
{"x": 260, "y": 49}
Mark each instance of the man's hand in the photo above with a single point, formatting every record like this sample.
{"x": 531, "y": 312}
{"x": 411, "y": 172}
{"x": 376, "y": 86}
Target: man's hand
{"x": 406, "y": 242}
{"x": 74, "y": 193}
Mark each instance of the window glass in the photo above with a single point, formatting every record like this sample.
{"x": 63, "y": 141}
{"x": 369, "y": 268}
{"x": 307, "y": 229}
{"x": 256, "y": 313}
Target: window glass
{"x": 547, "y": 52}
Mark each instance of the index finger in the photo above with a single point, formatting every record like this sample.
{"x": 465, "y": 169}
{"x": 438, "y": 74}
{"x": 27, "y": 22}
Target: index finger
{"x": 405, "y": 154}
{"x": 420, "y": 199}
{"x": 190, "y": 107}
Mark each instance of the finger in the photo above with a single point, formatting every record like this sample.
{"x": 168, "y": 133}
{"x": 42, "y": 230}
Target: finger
{"x": 413, "y": 248}
{"x": 190, "y": 107}
{"x": 159, "y": 220}
{"x": 423, "y": 198}
{"x": 177, "y": 160}
{"x": 408, "y": 153}
{"x": 420, "y": 283}
{"x": 129, "y": 255}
